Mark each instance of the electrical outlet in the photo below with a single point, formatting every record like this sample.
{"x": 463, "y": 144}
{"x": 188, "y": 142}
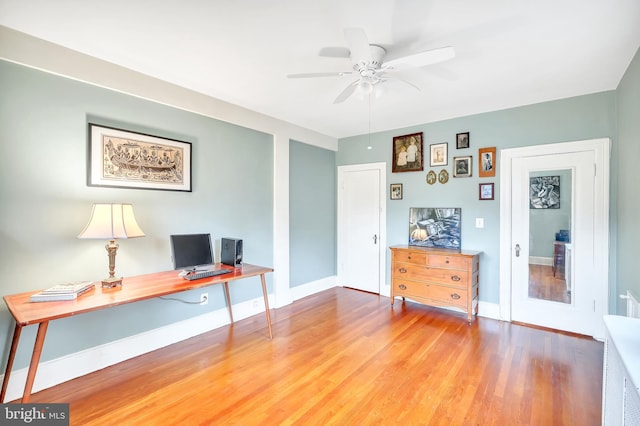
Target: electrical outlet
{"x": 204, "y": 298}
{"x": 255, "y": 304}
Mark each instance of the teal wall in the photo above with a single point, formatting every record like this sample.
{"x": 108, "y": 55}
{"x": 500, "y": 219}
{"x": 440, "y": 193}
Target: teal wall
{"x": 312, "y": 213}
{"x": 628, "y": 162}
{"x": 578, "y": 118}
{"x": 46, "y": 203}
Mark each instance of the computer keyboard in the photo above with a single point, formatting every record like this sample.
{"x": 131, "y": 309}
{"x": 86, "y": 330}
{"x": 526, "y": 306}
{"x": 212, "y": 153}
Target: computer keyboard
{"x": 204, "y": 274}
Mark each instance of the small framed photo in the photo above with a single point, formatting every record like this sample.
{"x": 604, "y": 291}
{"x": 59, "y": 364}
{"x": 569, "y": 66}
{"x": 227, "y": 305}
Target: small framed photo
{"x": 462, "y": 166}
{"x": 486, "y": 191}
{"x": 487, "y": 162}
{"x": 407, "y": 153}
{"x": 396, "y": 191}
{"x": 439, "y": 154}
{"x": 462, "y": 140}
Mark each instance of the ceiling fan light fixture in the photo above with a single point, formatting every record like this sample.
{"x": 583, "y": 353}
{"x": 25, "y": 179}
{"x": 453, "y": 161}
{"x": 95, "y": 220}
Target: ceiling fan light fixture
{"x": 365, "y": 87}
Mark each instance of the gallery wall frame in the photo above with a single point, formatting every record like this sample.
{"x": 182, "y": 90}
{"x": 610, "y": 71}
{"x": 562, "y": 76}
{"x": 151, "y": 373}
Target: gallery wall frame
{"x": 395, "y": 191}
{"x": 485, "y": 191}
{"x": 407, "y": 153}
{"x": 487, "y": 162}
{"x": 463, "y": 140}
{"x": 439, "y": 154}
{"x": 120, "y": 158}
{"x": 462, "y": 166}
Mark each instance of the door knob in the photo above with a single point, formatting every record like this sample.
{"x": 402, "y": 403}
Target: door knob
{"x": 375, "y": 239}
{"x": 517, "y": 250}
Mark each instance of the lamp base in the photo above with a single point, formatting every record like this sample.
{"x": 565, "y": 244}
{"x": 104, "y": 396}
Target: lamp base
{"x": 112, "y": 282}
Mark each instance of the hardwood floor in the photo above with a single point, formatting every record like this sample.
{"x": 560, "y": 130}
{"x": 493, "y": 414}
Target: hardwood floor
{"x": 543, "y": 284}
{"x": 344, "y": 357}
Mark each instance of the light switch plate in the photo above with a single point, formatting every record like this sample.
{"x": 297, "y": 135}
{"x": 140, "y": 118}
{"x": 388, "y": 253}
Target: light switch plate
{"x": 479, "y": 222}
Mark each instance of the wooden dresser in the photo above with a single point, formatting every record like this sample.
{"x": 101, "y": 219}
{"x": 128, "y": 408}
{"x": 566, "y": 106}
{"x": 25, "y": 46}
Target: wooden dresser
{"x": 436, "y": 277}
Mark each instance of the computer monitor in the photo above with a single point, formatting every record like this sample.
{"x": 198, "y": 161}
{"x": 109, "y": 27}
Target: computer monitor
{"x": 190, "y": 251}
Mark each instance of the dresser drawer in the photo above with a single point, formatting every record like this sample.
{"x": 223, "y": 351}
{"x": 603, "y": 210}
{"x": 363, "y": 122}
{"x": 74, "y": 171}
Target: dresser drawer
{"x": 410, "y": 288}
{"x": 442, "y": 261}
{"x": 447, "y": 295}
{"x": 414, "y": 257}
{"x": 444, "y": 276}
{"x": 450, "y": 295}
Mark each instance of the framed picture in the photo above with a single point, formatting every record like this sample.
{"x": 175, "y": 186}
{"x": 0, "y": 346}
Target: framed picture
{"x": 462, "y": 166}
{"x": 396, "y": 191}
{"x": 487, "y": 162}
{"x": 462, "y": 140}
{"x": 544, "y": 192}
{"x": 439, "y": 154}
{"x": 443, "y": 176}
{"x": 434, "y": 227}
{"x": 486, "y": 191}
{"x": 407, "y": 153}
{"x": 125, "y": 159}
{"x": 431, "y": 177}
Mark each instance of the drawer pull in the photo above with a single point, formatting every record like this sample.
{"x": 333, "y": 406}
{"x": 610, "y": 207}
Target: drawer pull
{"x": 404, "y": 287}
{"x": 455, "y": 296}
{"x": 402, "y": 270}
{"x": 455, "y": 278}
{"x": 447, "y": 261}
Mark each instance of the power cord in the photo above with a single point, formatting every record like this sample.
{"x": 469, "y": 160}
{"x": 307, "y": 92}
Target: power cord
{"x": 184, "y": 301}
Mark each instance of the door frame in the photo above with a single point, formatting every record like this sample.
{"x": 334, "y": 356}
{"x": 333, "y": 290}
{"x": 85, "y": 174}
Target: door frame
{"x": 602, "y": 152}
{"x": 383, "y": 289}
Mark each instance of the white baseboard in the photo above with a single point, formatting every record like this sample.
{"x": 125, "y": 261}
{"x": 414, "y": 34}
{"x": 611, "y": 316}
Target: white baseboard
{"x": 536, "y": 260}
{"x": 56, "y": 371}
{"x": 304, "y": 290}
{"x": 489, "y": 310}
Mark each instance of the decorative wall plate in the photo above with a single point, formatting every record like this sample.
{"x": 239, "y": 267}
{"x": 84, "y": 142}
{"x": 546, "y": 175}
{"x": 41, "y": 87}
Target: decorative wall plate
{"x": 431, "y": 177}
{"x": 443, "y": 176}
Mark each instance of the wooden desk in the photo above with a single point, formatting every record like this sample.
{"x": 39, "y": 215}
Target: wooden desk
{"x": 134, "y": 289}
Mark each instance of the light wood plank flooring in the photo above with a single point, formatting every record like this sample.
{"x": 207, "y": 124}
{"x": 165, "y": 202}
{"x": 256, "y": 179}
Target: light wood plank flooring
{"x": 344, "y": 357}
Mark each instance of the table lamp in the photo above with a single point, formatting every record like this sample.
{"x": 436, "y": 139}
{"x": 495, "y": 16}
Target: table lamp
{"x": 111, "y": 221}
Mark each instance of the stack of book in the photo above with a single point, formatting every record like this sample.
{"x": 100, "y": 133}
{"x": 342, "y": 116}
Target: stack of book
{"x": 67, "y": 291}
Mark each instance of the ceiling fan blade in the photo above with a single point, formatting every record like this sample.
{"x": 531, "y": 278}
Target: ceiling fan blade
{"x": 402, "y": 80}
{"x": 319, "y": 74}
{"x": 348, "y": 91}
{"x": 334, "y": 52}
{"x": 358, "y": 45}
{"x": 424, "y": 58}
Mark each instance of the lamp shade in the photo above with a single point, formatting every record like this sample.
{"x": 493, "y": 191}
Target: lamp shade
{"x": 111, "y": 221}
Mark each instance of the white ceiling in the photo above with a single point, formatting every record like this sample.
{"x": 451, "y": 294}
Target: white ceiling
{"x": 508, "y": 52}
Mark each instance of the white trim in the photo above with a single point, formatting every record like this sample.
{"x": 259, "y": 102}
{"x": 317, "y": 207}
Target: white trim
{"x": 384, "y": 289}
{"x": 304, "y": 290}
{"x": 601, "y": 148}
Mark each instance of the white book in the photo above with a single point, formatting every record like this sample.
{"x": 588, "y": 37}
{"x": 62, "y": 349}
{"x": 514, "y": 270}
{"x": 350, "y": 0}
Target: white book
{"x": 68, "y": 288}
{"x": 53, "y": 297}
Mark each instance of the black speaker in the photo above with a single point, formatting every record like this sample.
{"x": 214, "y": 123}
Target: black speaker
{"x": 231, "y": 252}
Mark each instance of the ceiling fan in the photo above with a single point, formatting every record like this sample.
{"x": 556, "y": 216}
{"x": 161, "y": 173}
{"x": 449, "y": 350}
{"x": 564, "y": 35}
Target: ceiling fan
{"x": 368, "y": 64}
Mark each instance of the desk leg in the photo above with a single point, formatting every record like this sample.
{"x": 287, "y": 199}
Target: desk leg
{"x": 35, "y": 360}
{"x": 228, "y": 297}
{"x": 266, "y": 303}
{"x": 12, "y": 355}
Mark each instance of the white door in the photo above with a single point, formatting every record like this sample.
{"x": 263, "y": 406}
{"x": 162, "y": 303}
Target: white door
{"x": 361, "y": 195}
{"x": 553, "y": 194}
{"x": 556, "y": 233}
